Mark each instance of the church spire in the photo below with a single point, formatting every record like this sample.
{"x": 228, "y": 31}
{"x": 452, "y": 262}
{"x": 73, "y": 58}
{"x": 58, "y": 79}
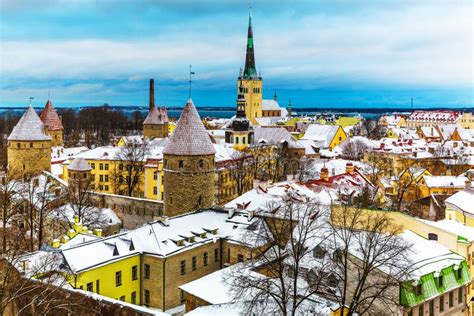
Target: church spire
{"x": 250, "y": 70}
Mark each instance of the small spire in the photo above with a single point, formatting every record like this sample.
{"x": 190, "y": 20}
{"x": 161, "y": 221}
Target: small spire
{"x": 275, "y": 97}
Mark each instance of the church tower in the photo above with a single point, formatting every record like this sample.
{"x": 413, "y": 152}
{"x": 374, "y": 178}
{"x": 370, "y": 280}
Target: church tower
{"x": 29, "y": 147}
{"x": 53, "y": 124}
{"x": 239, "y": 131}
{"x": 156, "y": 123}
{"x": 188, "y": 164}
{"x": 250, "y": 81}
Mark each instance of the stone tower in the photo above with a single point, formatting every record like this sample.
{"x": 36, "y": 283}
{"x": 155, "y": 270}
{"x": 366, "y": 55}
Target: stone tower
{"x": 239, "y": 131}
{"x": 156, "y": 123}
{"x": 53, "y": 124}
{"x": 189, "y": 170}
{"x": 29, "y": 147}
{"x": 250, "y": 82}
{"x": 79, "y": 175}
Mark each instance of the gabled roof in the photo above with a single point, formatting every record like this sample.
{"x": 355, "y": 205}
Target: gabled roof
{"x": 79, "y": 164}
{"x": 270, "y": 105}
{"x": 156, "y": 116}
{"x": 29, "y": 127}
{"x": 275, "y": 136}
{"x": 50, "y": 117}
{"x": 190, "y": 136}
{"x": 321, "y": 132}
{"x": 464, "y": 200}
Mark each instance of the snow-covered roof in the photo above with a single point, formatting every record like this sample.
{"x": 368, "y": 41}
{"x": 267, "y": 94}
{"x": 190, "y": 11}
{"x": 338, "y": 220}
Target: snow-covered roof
{"x": 441, "y": 116}
{"x": 321, "y": 132}
{"x": 160, "y": 239}
{"x": 50, "y": 117}
{"x": 29, "y": 128}
{"x": 445, "y": 181}
{"x": 156, "y": 116}
{"x": 275, "y": 136}
{"x": 464, "y": 200}
{"x": 60, "y": 154}
{"x": 190, "y": 136}
{"x": 430, "y": 132}
{"x": 66, "y": 212}
{"x": 270, "y": 105}
{"x": 451, "y": 226}
{"x": 79, "y": 164}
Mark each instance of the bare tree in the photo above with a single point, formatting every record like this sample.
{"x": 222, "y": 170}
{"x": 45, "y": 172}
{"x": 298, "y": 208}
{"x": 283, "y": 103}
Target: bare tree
{"x": 370, "y": 128}
{"x": 132, "y": 158}
{"x": 353, "y": 149}
{"x": 240, "y": 167}
{"x": 8, "y": 206}
{"x": 271, "y": 283}
{"x": 370, "y": 260}
{"x": 378, "y": 164}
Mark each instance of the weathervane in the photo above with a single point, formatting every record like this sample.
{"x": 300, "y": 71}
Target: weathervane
{"x": 190, "y": 79}
{"x": 31, "y": 98}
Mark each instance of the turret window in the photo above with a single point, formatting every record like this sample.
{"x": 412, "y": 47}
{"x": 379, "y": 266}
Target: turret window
{"x": 200, "y": 163}
{"x": 31, "y": 145}
{"x": 181, "y": 164}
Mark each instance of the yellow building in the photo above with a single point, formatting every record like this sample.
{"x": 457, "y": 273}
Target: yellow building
{"x": 250, "y": 82}
{"x": 460, "y": 206}
{"x": 153, "y": 179}
{"x": 326, "y": 136}
{"x": 467, "y": 120}
{"x": 445, "y": 185}
{"x": 29, "y": 146}
{"x": 53, "y": 124}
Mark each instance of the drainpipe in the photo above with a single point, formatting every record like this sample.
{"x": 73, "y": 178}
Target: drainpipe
{"x": 164, "y": 285}
{"x": 141, "y": 278}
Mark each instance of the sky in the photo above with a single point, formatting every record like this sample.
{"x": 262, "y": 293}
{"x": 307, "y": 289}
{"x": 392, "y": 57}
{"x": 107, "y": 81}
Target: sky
{"x": 333, "y": 53}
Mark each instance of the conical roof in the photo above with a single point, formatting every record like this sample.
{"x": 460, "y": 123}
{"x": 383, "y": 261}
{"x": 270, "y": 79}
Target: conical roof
{"x": 190, "y": 136}
{"x": 156, "y": 116}
{"x": 50, "y": 117}
{"x": 29, "y": 127}
{"x": 79, "y": 164}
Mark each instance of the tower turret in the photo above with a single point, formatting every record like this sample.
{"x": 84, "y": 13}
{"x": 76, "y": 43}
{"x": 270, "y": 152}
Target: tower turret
{"x": 79, "y": 175}
{"x": 156, "y": 123}
{"x": 188, "y": 161}
{"x": 53, "y": 124}
{"x": 29, "y": 147}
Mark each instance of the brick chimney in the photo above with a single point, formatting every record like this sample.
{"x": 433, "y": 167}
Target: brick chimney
{"x": 350, "y": 168}
{"x": 152, "y": 94}
{"x": 324, "y": 174}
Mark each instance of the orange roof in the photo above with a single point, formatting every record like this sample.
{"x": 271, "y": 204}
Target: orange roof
{"x": 50, "y": 118}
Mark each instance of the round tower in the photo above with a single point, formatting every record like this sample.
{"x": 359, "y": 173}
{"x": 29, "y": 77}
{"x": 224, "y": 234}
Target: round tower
{"x": 189, "y": 171}
{"x": 53, "y": 124}
{"x": 79, "y": 175}
{"x": 29, "y": 147}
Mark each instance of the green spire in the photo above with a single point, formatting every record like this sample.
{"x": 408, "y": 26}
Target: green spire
{"x": 250, "y": 71}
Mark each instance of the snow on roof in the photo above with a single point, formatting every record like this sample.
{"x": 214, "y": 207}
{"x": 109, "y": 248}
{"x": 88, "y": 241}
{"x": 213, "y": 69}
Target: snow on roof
{"x": 447, "y": 130}
{"x": 445, "y": 181}
{"x": 190, "y": 136}
{"x": 67, "y": 212}
{"x": 430, "y": 132}
{"x": 100, "y": 153}
{"x": 451, "y": 226}
{"x": 79, "y": 164}
{"x": 267, "y": 120}
{"x": 50, "y": 117}
{"x": 224, "y": 152}
{"x": 160, "y": 239}
{"x": 270, "y": 105}
{"x": 429, "y": 255}
{"x": 446, "y": 116}
{"x": 57, "y": 170}
{"x": 60, "y": 154}
{"x": 29, "y": 127}
{"x": 156, "y": 116}
{"x": 79, "y": 239}
{"x": 464, "y": 200}
{"x": 274, "y": 136}
{"x": 321, "y": 132}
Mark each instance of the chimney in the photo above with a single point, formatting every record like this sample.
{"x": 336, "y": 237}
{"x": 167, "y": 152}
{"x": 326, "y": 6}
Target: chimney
{"x": 324, "y": 174}
{"x": 350, "y": 168}
{"x": 152, "y": 94}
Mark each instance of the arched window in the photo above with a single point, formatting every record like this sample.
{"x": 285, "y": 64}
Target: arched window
{"x": 200, "y": 163}
{"x": 236, "y": 140}
{"x": 181, "y": 164}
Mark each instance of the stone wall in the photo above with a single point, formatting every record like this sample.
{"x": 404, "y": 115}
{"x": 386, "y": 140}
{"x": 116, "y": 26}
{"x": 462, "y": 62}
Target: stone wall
{"x": 188, "y": 183}
{"x": 25, "y": 157}
{"x": 155, "y": 130}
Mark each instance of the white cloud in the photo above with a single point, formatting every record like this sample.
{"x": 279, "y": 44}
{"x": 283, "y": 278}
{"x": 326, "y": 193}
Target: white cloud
{"x": 425, "y": 44}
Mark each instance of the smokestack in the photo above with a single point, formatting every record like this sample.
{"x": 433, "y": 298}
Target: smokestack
{"x": 152, "y": 94}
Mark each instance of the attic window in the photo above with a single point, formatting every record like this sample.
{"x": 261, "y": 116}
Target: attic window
{"x": 459, "y": 273}
{"x": 116, "y": 253}
{"x": 132, "y": 246}
{"x": 440, "y": 281}
{"x": 203, "y": 235}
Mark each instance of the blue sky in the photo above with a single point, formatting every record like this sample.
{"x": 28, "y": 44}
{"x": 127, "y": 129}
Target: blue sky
{"x": 330, "y": 53}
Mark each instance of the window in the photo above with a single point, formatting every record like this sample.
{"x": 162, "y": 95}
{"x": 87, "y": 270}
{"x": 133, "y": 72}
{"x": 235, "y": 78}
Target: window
{"x": 440, "y": 281}
{"x": 451, "y": 299}
{"x": 200, "y": 163}
{"x": 441, "y": 303}
{"x": 106, "y": 166}
{"x": 101, "y": 178}
{"x": 90, "y": 286}
{"x": 240, "y": 258}
{"x": 97, "y": 286}
{"x": 147, "y": 298}
{"x": 460, "y": 296}
{"x": 134, "y": 273}
{"x": 31, "y": 145}
{"x": 118, "y": 278}
{"x": 319, "y": 252}
{"x": 155, "y": 175}
{"x": 106, "y": 178}
{"x": 216, "y": 254}
{"x": 205, "y": 259}
{"x": 106, "y": 188}
{"x": 194, "y": 263}
{"x": 155, "y": 190}
{"x": 183, "y": 267}
{"x": 228, "y": 254}
{"x": 410, "y": 312}
{"x": 122, "y": 298}
{"x": 101, "y": 166}
{"x": 432, "y": 308}
{"x": 133, "y": 297}
{"x": 418, "y": 289}
{"x": 93, "y": 165}
{"x": 459, "y": 273}
{"x": 147, "y": 271}
{"x": 180, "y": 164}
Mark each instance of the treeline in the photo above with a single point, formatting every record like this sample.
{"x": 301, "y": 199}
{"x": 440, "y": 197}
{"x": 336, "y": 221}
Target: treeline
{"x": 84, "y": 127}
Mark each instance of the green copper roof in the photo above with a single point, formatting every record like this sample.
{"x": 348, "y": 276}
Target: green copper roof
{"x": 250, "y": 71}
{"x": 430, "y": 286}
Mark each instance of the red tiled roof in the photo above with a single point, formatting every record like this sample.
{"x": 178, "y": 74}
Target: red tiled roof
{"x": 50, "y": 118}
{"x": 156, "y": 116}
{"x": 190, "y": 136}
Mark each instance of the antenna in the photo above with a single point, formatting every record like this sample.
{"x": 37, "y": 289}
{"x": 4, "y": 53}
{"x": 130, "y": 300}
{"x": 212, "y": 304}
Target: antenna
{"x": 190, "y": 79}
{"x": 31, "y": 98}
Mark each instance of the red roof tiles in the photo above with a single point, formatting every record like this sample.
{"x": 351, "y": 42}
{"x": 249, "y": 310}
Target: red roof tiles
{"x": 50, "y": 118}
